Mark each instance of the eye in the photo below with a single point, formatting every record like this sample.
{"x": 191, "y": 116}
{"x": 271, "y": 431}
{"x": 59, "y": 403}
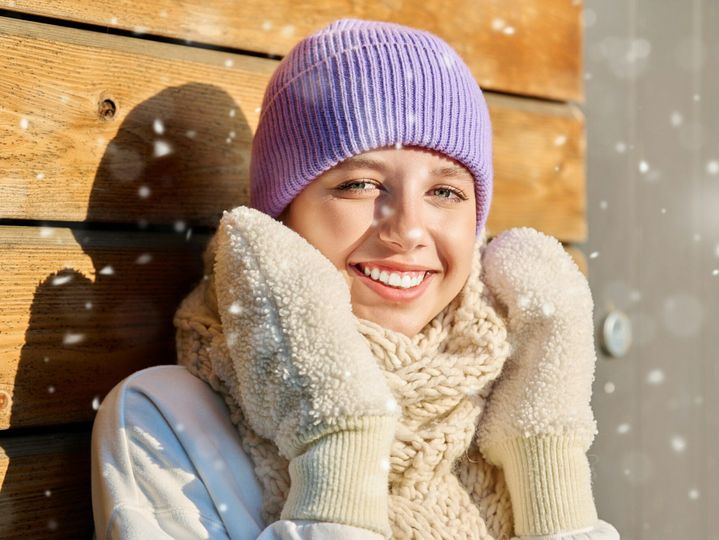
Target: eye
{"x": 451, "y": 194}
{"x": 352, "y": 185}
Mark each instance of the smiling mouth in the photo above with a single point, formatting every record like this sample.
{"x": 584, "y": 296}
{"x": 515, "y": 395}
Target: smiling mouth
{"x": 392, "y": 279}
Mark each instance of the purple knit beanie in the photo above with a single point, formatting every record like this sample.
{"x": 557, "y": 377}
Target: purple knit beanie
{"x": 355, "y": 86}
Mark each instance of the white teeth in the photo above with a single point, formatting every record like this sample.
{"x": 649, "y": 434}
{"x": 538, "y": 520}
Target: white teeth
{"x": 394, "y": 279}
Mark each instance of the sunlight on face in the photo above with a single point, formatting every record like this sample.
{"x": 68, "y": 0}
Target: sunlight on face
{"x": 406, "y": 216}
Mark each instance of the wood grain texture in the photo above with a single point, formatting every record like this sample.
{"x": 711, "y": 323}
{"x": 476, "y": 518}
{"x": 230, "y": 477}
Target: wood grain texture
{"x": 527, "y": 47}
{"x": 540, "y": 177}
{"x": 178, "y": 151}
{"x": 45, "y": 483}
{"x": 83, "y": 309}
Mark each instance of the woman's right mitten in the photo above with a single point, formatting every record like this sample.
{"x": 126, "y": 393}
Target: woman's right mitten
{"x": 305, "y": 376}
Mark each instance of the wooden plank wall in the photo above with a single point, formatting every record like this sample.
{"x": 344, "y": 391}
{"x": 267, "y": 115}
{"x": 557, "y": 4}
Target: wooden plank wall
{"x": 125, "y": 130}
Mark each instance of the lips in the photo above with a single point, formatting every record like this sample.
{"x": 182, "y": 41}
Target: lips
{"x": 390, "y": 293}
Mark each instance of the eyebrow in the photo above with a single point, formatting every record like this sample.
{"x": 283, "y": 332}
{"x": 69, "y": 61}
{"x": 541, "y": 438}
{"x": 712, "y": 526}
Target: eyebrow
{"x": 359, "y": 162}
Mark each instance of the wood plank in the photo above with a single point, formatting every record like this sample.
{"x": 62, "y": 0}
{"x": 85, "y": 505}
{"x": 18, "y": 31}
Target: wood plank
{"x": 81, "y": 310}
{"x": 175, "y": 148}
{"x": 527, "y": 47}
{"x": 61, "y": 160}
{"x": 540, "y": 179}
{"x": 45, "y": 483}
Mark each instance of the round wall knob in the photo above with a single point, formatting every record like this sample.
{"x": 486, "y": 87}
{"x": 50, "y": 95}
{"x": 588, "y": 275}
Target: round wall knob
{"x": 616, "y": 336}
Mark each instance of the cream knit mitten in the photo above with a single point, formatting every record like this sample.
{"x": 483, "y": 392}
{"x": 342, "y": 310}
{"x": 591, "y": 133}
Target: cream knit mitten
{"x": 538, "y": 423}
{"x": 302, "y": 373}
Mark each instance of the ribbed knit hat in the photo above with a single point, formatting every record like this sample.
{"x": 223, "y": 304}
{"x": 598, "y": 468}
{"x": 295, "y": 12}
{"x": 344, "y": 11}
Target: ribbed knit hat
{"x": 356, "y": 86}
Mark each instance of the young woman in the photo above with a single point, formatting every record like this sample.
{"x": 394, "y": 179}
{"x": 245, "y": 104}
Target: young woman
{"x": 358, "y": 362}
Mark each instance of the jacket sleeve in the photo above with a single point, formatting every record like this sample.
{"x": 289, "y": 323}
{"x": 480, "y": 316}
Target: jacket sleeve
{"x": 169, "y": 468}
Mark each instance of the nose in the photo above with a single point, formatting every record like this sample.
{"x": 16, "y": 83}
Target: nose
{"x": 400, "y": 223}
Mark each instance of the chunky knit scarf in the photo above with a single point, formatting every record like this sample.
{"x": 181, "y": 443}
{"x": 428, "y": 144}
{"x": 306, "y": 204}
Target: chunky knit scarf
{"x": 440, "y": 485}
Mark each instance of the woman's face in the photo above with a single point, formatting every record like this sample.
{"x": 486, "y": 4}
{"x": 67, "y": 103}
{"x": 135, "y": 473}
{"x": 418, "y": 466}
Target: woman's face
{"x": 406, "y": 215}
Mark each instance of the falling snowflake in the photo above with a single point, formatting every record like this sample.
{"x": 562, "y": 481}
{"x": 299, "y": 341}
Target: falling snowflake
{"x": 693, "y": 494}
{"x": 40, "y": 175}
{"x": 72, "y": 339}
{"x": 143, "y": 192}
{"x": 655, "y": 376}
{"x": 594, "y": 255}
{"x": 560, "y": 140}
{"x": 180, "y": 226}
{"x": 498, "y": 24}
{"x": 603, "y": 205}
{"x": 158, "y": 127}
{"x": 107, "y": 270}
{"x": 609, "y": 387}
{"x": 229, "y": 63}
{"x": 623, "y": 428}
{"x": 95, "y": 403}
{"x": 713, "y": 167}
{"x": 24, "y": 123}
{"x": 679, "y": 444}
{"x": 643, "y": 167}
{"x": 61, "y": 280}
{"x": 162, "y": 148}
{"x": 144, "y": 258}
{"x": 190, "y": 133}
{"x": 676, "y": 119}
{"x": 384, "y": 464}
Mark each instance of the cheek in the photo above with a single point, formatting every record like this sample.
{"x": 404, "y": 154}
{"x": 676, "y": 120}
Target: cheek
{"x": 334, "y": 229}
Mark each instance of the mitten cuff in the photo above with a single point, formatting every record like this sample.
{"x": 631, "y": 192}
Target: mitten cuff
{"x": 549, "y": 482}
{"x": 342, "y": 477}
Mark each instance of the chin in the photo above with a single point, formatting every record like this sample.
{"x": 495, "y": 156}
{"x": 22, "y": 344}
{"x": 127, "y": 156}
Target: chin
{"x": 409, "y": 326}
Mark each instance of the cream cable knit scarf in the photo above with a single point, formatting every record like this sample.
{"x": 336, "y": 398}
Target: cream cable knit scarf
{"x": 440, "y": 485}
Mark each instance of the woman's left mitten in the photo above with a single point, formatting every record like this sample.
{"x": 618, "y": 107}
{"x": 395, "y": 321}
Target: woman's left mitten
{"x": 538, "y": 423}
{"x": 305, "y": 376}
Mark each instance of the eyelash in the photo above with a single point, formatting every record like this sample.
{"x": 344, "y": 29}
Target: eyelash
{"x": 458, "y": 192}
